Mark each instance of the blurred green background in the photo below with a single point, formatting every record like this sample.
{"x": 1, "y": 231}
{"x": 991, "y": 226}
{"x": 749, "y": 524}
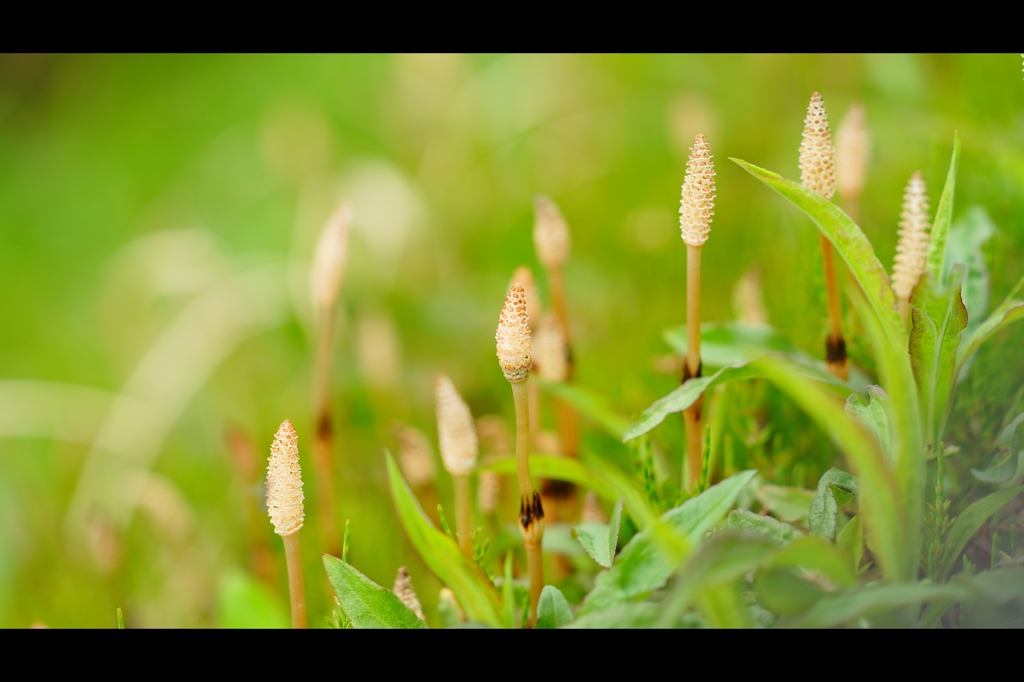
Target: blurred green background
{"x": 157, "y": 219}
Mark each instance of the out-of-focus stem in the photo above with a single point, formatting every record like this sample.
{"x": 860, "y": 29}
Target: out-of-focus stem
{"x": 558, "y": 296}
{"x": 463, "y": 513}
{"x": 531, "y": 511}
{"x": 534, "y": 396}
{"x": 323, "y": 440}
{"x": 535, "y": 567}
{"x": 296, "y": 591}
{"x": 835, "y": 345}
{"x": 692, "y": 416}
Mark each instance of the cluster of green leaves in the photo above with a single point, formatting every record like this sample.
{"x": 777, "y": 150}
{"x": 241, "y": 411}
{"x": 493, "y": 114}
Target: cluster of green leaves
{"x": 850, "y": 551}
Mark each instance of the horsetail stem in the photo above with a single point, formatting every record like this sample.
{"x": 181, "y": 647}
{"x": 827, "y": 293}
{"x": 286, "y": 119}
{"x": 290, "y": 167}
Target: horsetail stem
{"x": 456, "y": 435}
{"x": 284, "y": 505}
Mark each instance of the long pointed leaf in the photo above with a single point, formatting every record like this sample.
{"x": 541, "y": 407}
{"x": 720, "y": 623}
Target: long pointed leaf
{"x": 476, "y": 594}
{"x": 1009, "y": 311}
{"x": 943, "y": 217}
{"x": 367, "y": 604}
{"x": 850, "y": 242}
{"x": 971, "y": 519}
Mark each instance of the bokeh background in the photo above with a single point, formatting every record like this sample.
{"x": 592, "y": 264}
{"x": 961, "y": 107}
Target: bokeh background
{"x": 157, "y": 221}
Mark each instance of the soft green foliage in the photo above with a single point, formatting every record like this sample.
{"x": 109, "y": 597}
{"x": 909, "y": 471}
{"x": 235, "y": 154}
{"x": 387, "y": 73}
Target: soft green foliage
{"x": 553, "y": 610}
{"x": 943, "y": 218}
{"x": 243, "y": 602}
{"x": 939, "y": 317}
{"x": 874, "y": 417}
{"x": 588, "y": 404}
{"x": 120, "y": 619}
{"x": 730, "y": 343}
{"x": 746, "y": 521}
{"x": 367, "y": 604}
{"x": 786, "y": 503}
{"x": 971, "y": 519}
{"x": 642, "y": 565}
{"x": 600, "y": 539}
{"x": 835, "y": 489}
{"x": 474, "y": 591}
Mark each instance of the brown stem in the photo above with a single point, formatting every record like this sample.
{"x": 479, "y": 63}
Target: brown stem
{"x": 836, "y": 361}
{"x": 296, "y": 591}
{"x": 521, "y": 398}
{"x": 531, "y": 511}
{"x": 535, "y": 567}
{"x": 692, "y": 416}
{"x": 462, "y": 513}
{"x": 534, "y": 391}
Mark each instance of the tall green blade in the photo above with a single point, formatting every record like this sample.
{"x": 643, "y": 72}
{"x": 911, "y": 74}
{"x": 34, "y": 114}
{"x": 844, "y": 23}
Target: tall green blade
{"x": 943, "y": 217}
{"x": 476, "y": 594}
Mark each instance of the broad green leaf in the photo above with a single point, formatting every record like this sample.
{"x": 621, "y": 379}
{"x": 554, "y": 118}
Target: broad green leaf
{"x": 641, "y": 566}
{"x": 1005, "y": 466}
{"x": 851, "y": 243}
{"x": 552, "y": 610}
{"x": 1006, "y": 436}
{"x": 1009, "y": 311}
{"x": 850, "y": 541}
{"x": 845, "y": 607}
{"x": 970, "y": 520}
{"x": 879, "y": 494}
{"x": 943, "y": 217}
{"x": 723, "y": 607}
{"x": 729, "y": 556}
{"x": 874, "y": 417}
{"x": 783, "y": 593}
{"x": 939, "y": 318}
{"x": 599, "y": 539}
{"x": 825, "y": 505}
{"x": 559, "y": 469}
{"x": 588, "y": 404}
{"x": 244, "y": 602}
{"x": 786, "y": 504}
{"x": 746, "y": 521}
{"x": 688, "y": 393}
{"x": 730, "y": 343}
{"x": 966, "y": 240}
{"x": 367, "y": 604}
{"x": 620, "y": 616}
{"x": 476, "y": 594}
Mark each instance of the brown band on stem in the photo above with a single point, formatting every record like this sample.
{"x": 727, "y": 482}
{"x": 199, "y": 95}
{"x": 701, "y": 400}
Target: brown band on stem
{"x": 558, "y": 490}
{"x": 835, "y": 349}
{"x": 530, "y": 509}
{"x": 324, "y": 428}
{"x": 687, "y": 375}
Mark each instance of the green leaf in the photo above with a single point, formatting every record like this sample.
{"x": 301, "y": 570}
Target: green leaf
{"x": 781, "y": 592}
{"x": 943, "y": 217}
{"x": 730, "y": 343}
{"x": 879, "y": 495}
{"x": 1005, "y": 466}
{"x": 1009, "y": 311}
{"x": 845, "y": 607}
{"x": 746, "y": 521}
{"x": 970, "y": 520}
{"x": 508, "y": 594}
{"x": 600, "y": 539}
{"x": 120, "y": 619}
{"x": 620, "y": 616}
{"x": 243, "y": 602}
{"x": 850, "y": 541}
{"x": 851, "y": 244}
{"x": 476, "y": 594}
{"x": 641, "y": 566}
{"x": 367, "y": 604}
{"x": 588, "y": 404}
{"x": 966, "y": 240}
{"x": 786, "y": 504}
{"x": 874, "y": 417}
{"x": 559, "y": 469}
{"x": 939, "y": 318}
{"x": 825, "y": 505}
{"x": 552, "y": 610}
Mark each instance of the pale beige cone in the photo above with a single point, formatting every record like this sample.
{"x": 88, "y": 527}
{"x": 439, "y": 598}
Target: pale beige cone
{"x": 550, "y": 233}
{"x": 853, "y": 147}
{"x": 403, "y": 590}
{"x": 415, "y": 456}
{"x": 748, "y": 301}
{"x": 513, "y": 336}
{"x": 456, "y": 432}
{"x": 912, "y": 245}
{"x": 329, "y": 259}
{"x": 284, "y": 482}
{"x": 487, "y": 492}
{"x": 550, "y": 350}
{"x": 817, "y": 155}
{"x": 697, "y": 205}
{"x": 524, "y": 277}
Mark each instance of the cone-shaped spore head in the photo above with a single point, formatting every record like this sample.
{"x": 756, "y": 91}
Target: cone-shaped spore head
{"x": 456, "y": 430}
{"x": 853, "y": 146}
{"x": 550, "y": 233}
{"x": 524, "y": 277}
{"x": 817, "y": 155}
{"x": 513, "y": 336}
{"x": 697, "y": 205}
{"x": 912, "y": 245}
{"x": 329, "y": 259}
{"x": 550, "y": 350}
{"x": 284, "y": 482}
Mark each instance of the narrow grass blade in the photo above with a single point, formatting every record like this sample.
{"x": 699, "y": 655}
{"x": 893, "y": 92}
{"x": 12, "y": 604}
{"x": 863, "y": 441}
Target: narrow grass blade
{"x": 881, "y": 499}
{"x": 476, "y": 594}
{"x": 970, "y": 520}
{"x": 367, "y": 604}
